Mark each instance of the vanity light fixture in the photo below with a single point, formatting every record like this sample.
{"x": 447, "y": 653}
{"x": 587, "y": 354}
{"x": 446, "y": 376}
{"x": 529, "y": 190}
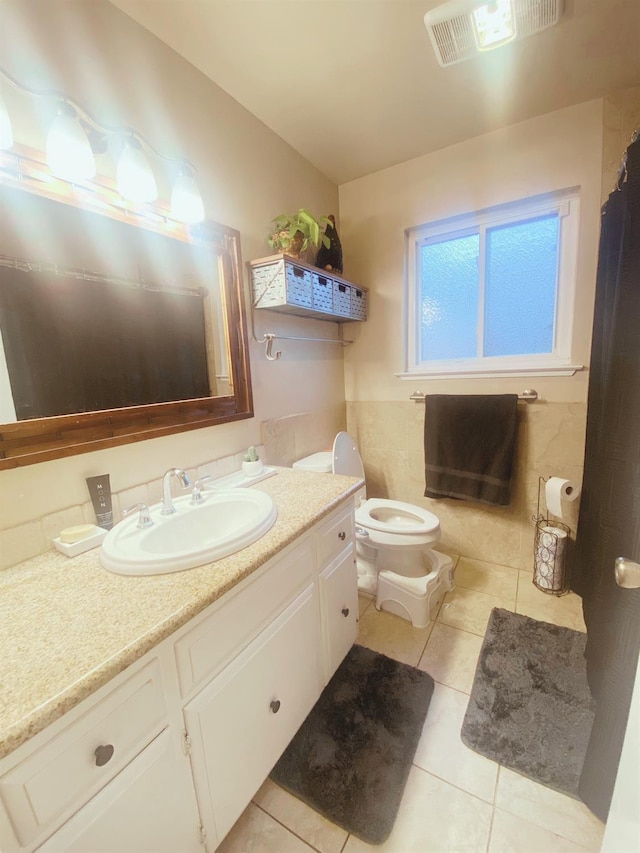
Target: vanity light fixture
{"x": 6, "y": 131}
{"x": 69, "y": 154}
{"x": 462, "y": 29}
{"x": 186, "y": 202}
{"x": 75, "y": 136}
{"x": 134, "y": 175}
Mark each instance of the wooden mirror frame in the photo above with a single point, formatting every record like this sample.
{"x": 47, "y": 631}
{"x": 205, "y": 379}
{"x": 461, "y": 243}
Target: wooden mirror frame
{"x": 41, "y": 439}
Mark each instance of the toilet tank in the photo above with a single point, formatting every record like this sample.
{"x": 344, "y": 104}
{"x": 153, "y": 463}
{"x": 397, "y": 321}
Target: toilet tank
{"x": 321, "y": 462}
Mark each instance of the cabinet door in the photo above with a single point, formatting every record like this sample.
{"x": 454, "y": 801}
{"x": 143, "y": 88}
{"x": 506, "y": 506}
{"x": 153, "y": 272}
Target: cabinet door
{"x": 339, "y": 598}
{"x": 242, "y": 721}
{"x": 57, "y": 779}
{"x": 150, "y": 807}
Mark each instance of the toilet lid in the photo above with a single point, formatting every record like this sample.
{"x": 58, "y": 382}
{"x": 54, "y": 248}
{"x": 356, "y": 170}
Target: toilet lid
{"x": 320, "y": 461}
{"x": 346, "y": 459}
{"x": 396, "y": 517}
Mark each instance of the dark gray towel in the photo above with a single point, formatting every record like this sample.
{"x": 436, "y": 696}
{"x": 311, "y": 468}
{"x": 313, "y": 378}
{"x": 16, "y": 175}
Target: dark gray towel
{"x": 468, "y": 446}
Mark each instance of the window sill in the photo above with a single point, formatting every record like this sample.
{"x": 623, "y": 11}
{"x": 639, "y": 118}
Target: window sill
{"x": 485, "y": 372}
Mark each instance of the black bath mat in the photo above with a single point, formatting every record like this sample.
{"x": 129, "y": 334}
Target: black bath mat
{"x": 351, "y": 757}
{"x": 530, "y": 707}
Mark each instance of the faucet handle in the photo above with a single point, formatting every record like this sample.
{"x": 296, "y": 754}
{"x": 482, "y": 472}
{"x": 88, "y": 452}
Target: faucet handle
{"x": 196, "y": 495}
{"x": 144, "y": 519}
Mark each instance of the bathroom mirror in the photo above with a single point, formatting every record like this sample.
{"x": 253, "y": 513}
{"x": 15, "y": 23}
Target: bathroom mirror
{"x": 115, "y": 325}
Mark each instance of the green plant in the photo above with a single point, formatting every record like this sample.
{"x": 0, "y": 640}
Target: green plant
{"x": 251, "y": 455}
{"x": 294, "y": 233}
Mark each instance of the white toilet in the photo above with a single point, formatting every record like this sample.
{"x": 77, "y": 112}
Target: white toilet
{"x": 396, "y": 561}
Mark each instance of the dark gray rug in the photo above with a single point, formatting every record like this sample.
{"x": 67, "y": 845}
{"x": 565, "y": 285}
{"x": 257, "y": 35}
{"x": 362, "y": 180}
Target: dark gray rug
{"x": 530, "y": 707}
{"x": 351, "y": 757}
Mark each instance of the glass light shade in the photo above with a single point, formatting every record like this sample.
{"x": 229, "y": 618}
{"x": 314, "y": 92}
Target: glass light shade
{"x": 69, "y": 154}
{"x": 494, "y": 24}
{"x": 186, "y": 201}
{"x": 6, "y": 131}
{"x": 136, "y": 181}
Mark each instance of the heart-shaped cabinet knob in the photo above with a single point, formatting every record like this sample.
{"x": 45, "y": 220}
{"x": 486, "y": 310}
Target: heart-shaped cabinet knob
{"x": 103, "y": 754}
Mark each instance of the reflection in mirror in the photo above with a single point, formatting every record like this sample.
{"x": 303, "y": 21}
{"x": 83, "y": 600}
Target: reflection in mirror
{"x": 115, "y": 324}
{"x": 98, "y": 314}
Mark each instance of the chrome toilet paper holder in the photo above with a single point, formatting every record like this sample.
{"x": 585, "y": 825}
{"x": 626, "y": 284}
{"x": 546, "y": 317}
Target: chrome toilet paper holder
{"x": 552, "y": 550}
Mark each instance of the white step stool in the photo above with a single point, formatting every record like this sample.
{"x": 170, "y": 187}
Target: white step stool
{"x": 414, "y": 598}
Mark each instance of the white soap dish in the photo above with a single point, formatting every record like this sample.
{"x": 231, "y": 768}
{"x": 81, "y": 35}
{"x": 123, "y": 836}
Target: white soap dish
{"x": 72, "y": 549}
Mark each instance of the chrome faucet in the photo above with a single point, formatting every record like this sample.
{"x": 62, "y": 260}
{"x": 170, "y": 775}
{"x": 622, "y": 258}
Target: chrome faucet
{"x": 167, "y": 503}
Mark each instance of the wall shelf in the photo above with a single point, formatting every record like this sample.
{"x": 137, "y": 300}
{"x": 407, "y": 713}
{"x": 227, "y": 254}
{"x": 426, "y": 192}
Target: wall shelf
{"x": 286, "y": 284}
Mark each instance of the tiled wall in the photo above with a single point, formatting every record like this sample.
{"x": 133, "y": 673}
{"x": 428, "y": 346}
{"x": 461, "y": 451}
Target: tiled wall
{"x": 284, "y": 440}
{"x": 550, "y": 443}
{"x": 293, "y": 437}
{"x": 34, "y": 537}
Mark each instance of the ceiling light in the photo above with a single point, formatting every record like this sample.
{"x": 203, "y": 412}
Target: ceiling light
{"x": 6, "y": 131}
{"x": 462, "y": 29}
{"x": 493, "y": 24}
{"x": 135, "y": 178}
{"x": 69, "y": 154}
{"x": 186, "y": 201}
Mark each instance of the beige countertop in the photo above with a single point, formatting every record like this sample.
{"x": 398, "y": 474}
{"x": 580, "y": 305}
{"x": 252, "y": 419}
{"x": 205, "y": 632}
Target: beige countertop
{"x": 68, "y": 626}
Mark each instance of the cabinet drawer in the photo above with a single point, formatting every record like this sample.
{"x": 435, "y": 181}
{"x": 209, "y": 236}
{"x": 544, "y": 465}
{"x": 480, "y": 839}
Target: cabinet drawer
{"x": 335, "y": 534}
{"x": 241, "y": 723}
{"x": 141, "y": 810}
{"x": 62, "y": 775}
{"x": 209, "y": 645}
{"x": 339, "y": 600}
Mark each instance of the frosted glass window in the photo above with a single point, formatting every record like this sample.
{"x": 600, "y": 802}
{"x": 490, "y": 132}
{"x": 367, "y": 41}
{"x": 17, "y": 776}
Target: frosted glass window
{"x": 492, "y": 292}
{"x": 449, "y": 298}
{"x": 520, "y": 287}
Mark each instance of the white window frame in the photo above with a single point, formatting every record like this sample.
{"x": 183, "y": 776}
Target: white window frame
{"x": 566, "y": 203}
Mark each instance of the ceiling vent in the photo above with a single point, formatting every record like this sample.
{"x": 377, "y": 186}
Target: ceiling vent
{"x": 462, "y": 29}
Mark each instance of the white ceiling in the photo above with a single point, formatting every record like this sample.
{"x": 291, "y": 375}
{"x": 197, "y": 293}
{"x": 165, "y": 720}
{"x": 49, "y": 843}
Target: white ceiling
{"x": 354, "y": 85}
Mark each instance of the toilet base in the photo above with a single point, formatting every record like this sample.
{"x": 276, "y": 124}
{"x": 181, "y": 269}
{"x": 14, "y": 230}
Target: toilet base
{"x": 411, "y": 598}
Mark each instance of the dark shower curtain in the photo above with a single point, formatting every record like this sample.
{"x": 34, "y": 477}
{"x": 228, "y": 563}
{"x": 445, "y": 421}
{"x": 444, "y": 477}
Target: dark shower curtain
{"x": 609, "y": 524}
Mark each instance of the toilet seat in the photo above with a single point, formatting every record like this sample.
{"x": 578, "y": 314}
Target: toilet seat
{"x": 394, "y": 556}
{"x": 397, "y": 525}
{"x": 390, "y": 516}
{"x": 390, "y": 524}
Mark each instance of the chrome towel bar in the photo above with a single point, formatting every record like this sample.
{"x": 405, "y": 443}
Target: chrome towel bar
{"x": 269, "y": 338}
{"x": 529, "y": 395}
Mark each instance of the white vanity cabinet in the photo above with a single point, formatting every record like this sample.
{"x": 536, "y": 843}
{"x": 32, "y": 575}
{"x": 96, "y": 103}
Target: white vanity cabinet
{"x": 240, "y": 724}
{"x": 149, "y": 806}
{"x": 85, "y": 751}
{"x": 166, "y": 756}
{"x": 338, "y": 594}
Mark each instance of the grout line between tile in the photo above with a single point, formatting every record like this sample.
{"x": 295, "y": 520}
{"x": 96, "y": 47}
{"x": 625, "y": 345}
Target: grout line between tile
{"x": 493, "y": 814}
{"x": 444, "y": 684}
{"x": 288, "y": 828}
{"x": 455, "y": 628}
{"x": 453, "y": 785}
{"x": 484, "y": 592}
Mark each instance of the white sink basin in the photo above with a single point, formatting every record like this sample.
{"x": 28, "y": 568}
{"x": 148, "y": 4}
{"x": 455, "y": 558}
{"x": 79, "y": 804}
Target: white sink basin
{"x": 225, "y": 522}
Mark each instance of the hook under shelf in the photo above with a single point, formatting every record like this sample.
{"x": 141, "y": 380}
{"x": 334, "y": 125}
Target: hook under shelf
{"x": 269, "y": 338}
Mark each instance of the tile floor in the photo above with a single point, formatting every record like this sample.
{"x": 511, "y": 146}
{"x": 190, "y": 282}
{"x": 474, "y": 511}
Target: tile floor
{"x": 455, "y": 799}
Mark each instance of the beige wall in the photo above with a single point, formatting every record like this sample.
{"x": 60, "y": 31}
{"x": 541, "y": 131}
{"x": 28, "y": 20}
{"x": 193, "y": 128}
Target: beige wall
{"x": 125, "y": 76}
{"x": 552, "y": 152}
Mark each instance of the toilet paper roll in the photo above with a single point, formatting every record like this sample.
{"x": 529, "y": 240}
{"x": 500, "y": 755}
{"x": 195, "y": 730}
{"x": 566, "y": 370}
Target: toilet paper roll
{"x": 557, "y": 490}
